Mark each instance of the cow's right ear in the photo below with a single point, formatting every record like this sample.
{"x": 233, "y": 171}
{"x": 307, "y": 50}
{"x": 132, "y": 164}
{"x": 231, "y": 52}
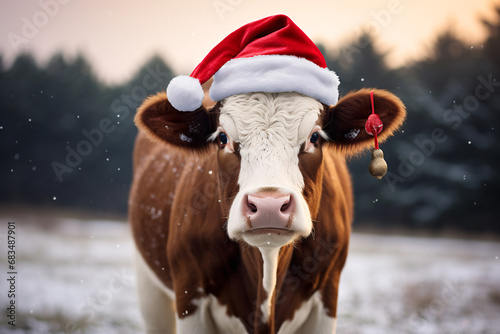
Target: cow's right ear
{"x": 344, "y": 123}
{"x": 161, "y": 122}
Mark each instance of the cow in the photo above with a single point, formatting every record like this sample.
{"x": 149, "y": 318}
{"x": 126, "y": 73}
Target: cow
{"x": 241, "y": 213}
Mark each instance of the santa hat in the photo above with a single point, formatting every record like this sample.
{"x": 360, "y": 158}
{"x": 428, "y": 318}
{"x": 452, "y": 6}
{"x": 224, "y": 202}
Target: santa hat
{"x": 269, "y": 55}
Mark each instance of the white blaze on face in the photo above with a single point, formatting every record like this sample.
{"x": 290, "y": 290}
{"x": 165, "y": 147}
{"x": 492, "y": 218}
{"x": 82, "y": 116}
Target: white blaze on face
{"x": 270, "y": 129}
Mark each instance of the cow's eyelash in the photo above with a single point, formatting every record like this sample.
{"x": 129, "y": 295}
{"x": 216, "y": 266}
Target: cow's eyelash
{"x": 214, "y": 136}
{"x": 322, "y": 134}
{"x": 320, "y": 131}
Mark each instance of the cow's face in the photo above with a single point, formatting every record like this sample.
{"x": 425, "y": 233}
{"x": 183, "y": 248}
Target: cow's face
{"x": 269, "y": 150}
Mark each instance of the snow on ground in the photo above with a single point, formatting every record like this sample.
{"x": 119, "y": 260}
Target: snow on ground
{"x": 420, "y": 285}
{"x": 77, "y": 276}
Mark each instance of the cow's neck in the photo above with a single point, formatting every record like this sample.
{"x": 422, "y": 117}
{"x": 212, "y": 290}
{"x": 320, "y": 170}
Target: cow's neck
{"x": 264, "y": 271}
{"x": 270, "y": 270}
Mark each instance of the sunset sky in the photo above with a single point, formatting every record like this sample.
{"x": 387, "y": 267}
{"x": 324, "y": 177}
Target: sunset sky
{"x": 117, "y": 36}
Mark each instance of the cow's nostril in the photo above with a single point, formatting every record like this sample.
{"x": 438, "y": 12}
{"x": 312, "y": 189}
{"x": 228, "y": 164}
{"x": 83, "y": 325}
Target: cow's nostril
{"x": 252, "y": 207}
{"x": 268, "y": 210}
{"x": 284, "y": 207}
{"x": 268, "y": 203}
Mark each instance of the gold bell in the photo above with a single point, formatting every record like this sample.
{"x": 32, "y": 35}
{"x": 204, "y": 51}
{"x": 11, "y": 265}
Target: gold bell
{"x": 378, "y": 166}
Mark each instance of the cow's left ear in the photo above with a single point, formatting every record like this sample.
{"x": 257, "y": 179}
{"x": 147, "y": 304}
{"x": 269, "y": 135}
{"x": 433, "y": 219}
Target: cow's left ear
{"x": 161, "y": 122}
{"x": 344, "y": 123}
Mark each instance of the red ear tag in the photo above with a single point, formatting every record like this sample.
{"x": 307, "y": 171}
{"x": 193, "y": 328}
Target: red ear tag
{"x": 373, "y": 126}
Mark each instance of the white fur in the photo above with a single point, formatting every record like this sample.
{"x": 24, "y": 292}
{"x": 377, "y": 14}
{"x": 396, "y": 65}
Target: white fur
{"x": 311, "y": 317}
{"x": 155, "y": 299}
{"x": 157, "y": 304}
{"x": 270, "y": 258}
{"x": 270, "y": 129}
{"x": 210, "y": 318}
{"x": 275, "y": 74}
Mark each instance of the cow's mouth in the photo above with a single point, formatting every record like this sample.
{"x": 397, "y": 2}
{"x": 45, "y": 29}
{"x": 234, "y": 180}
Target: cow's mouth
{"x": 269, "y": 231}
{"x": 269, "y": 236}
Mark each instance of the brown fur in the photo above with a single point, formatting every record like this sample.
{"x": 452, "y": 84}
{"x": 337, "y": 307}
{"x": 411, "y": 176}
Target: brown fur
{"x": 352, "y": 111}
{"x": 159, "y": 120}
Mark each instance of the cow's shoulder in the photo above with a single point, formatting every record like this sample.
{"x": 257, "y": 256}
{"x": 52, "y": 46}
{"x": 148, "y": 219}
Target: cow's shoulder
{"x": 164, "y": 179}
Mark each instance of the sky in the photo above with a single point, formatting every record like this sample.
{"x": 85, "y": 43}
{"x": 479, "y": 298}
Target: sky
{"x": 118, "y": 36}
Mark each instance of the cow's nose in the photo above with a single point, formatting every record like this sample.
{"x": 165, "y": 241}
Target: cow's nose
{"x": 269, "y": 210}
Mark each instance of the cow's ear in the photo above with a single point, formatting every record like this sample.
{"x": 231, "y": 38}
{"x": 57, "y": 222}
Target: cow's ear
{"x": 344, "y": 123}
{"x": 161, "y": 122}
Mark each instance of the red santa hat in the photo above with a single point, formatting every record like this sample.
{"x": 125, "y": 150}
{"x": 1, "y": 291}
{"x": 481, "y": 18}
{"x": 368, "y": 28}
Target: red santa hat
{"x": 269, "y": 55}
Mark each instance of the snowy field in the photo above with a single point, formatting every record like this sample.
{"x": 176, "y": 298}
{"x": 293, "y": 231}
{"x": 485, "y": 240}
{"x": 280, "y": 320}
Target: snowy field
{"x": 76, "y": 276}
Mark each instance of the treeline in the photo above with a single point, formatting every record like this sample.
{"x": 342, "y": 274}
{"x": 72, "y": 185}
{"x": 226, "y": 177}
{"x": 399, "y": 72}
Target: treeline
{"x": 67, "y": 138}
{"x": 443, "y": 166}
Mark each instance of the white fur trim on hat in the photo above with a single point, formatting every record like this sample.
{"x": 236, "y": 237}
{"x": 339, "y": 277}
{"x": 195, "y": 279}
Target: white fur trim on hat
{"x": 275, "y": 74}
{"x": 185, "y": 93}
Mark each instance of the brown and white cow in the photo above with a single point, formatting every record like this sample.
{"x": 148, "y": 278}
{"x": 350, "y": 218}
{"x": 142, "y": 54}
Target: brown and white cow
{"x": 241, "y": 214}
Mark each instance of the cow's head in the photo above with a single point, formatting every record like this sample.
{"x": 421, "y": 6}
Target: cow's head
{"x": 270, "y": 151}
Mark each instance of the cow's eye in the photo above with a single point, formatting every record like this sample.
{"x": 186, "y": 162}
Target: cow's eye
{"x": 222, "y": 138}
{"x": 314, "y": 137}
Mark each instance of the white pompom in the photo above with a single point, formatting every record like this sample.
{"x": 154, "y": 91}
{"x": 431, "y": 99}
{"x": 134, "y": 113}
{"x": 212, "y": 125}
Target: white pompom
{"x": 185, "y": 93}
